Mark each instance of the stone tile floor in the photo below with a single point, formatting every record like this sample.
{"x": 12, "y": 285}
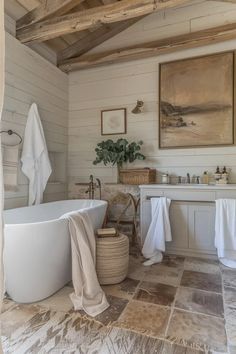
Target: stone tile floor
{"x": 183, "y": 305}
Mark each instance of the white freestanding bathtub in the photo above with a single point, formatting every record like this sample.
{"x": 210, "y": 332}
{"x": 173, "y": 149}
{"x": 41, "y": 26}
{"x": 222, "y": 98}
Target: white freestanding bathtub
{"x": 37, "y": 251}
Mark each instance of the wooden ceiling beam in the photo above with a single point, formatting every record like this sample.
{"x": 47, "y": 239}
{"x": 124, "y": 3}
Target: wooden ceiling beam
{"x": 232, "y": 1}
{"x": 46, "y": 10}
{"x": 163, "y": 46}
{"x": 93, "y": 39}
{"x": 82, "y": 20}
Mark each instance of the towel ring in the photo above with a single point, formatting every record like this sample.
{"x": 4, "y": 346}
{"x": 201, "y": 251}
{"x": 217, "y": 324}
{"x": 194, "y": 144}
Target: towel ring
{"x": 11, "y": 132}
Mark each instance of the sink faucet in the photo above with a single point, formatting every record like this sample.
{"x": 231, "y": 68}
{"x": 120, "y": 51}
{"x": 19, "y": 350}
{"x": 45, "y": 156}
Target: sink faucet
{"x": 188, "y": 178}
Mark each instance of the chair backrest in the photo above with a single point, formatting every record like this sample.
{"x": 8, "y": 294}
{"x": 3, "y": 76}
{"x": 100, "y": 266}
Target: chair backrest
{"x": 121, "y": 204}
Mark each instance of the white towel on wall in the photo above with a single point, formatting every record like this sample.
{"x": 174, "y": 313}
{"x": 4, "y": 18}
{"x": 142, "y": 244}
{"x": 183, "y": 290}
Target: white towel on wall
{"x": 10, "y": 155}
{"x": 225, "y": 228}
{"x": 88, "y": 294}
{"x": 2, "y": 86}
{"x": 35, "y": 161}
{"x": 159, "y": 230}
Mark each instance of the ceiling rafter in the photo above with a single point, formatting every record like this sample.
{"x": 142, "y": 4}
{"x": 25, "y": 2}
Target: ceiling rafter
{"x": 82, "y": 20}
{"x": 47, "y": 9}
{"x": 163, "y": 46}
{"x": 232, "y": 1}
{"x": 93, "y": 39}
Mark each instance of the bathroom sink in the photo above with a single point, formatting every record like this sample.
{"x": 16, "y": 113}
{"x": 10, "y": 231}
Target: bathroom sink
{"x": 191, "y": 184}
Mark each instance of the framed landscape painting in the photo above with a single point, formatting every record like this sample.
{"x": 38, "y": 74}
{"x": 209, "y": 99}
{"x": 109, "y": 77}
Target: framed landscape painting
{"x": 197, "y": 102}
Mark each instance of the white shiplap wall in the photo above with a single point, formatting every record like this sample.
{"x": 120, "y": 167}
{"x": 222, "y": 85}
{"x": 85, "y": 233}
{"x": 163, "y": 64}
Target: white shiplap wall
{"x": 31, "y": 78}
{"x": 122, "y": 84}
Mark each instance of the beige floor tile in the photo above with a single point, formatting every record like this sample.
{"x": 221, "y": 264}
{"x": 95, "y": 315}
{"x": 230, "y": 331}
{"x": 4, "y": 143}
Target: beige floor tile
{"x": 7, "y": 304}
{"x": 16, "y": 316}
{"x": 200, "y": 331}
{"x": 60, "y": 301}
{"x": 201, "y": 265}
{"x": 156, "y": 293}
{"x": 117, "y": 306}
{"x": 232, "y": 349}
{"x": 122, "y": 341}
{"x": 125, "y": 289}
{"x": 137, "y": 270}
{"x": 230, "y": 296}
{"x": 230, "y": 318}
{"x": 145, "y": 318}
{"x": 173, "y": 261}
{"x": 229, "y": 277}
{"x": 160, "y": 273}
{"x": 112, "y": 313}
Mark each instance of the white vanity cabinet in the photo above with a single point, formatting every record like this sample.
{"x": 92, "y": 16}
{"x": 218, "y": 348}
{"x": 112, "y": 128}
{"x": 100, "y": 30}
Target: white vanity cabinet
{"x": 179, "y": 226}
{"x": 192, "y": 215}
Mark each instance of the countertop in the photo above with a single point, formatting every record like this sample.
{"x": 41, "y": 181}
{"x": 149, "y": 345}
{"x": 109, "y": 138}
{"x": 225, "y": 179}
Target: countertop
{"x": 190, "y": 186}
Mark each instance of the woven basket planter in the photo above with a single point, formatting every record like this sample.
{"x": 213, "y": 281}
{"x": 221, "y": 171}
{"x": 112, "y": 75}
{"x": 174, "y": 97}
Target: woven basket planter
{"x": 112, "y": 259}
{"x": 137, "y": 176}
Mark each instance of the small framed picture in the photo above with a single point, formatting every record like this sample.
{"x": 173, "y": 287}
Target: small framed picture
{"x": 113, "y": 121}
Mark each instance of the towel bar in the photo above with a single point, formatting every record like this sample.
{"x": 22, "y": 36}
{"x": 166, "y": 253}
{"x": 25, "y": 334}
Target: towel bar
{"x": 182, "y": 200}
{"x": 11, "y": 132}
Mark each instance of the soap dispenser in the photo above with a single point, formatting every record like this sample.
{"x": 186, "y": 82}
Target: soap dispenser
{"x": 205, "y": 178}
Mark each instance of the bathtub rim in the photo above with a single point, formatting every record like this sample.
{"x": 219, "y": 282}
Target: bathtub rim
{"x": 6, "y": 225}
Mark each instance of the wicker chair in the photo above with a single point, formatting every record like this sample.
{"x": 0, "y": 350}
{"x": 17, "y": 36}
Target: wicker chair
{"x": 124, "y": 202}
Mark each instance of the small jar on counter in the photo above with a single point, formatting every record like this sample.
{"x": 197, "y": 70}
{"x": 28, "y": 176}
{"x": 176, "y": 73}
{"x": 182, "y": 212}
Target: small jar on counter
{"x": 165, "y": 179}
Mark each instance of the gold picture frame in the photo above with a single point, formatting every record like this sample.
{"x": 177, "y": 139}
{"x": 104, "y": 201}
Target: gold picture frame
{"x": 196, "y": 97}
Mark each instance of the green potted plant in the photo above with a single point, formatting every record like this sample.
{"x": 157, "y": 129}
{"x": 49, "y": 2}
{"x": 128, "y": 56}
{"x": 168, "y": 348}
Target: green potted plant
{"x": 117, "y": 153}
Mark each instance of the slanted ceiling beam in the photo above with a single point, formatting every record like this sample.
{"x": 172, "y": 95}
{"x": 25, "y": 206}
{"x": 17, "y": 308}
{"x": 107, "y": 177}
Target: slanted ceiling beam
{"x": 47, "y": 9}
{"x": 163, "y": 46}
{"x": 232, "y": 1}
{"x": 95, "y": 38}
{"x": 82, "y": 20}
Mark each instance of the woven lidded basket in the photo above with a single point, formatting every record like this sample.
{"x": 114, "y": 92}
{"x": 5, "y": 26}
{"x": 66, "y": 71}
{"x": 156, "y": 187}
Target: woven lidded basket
{"x": 112, "y": 259}
{"x": 137, "y": 176}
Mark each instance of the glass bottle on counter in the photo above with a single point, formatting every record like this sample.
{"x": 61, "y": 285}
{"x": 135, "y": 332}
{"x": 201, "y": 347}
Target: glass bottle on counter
{"x": 205, "y": 178}
{"x": 217, "y": 175}
{"x": 225, "y": 175}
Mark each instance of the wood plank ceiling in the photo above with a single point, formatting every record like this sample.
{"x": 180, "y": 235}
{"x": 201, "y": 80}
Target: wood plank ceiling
{"x": 73, "y": 27}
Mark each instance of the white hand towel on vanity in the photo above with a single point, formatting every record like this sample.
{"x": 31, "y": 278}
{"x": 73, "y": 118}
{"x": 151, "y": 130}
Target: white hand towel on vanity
{"x": 35, "y": 161}
{"x": 225, "y": 231}
{"x": 88, "y": 295}
{"x": 159, "y": 231}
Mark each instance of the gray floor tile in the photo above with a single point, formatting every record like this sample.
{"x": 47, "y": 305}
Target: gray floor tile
{"x": 200, "y": 301}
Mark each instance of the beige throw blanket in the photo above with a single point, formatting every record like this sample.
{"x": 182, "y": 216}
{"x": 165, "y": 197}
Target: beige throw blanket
{"x": 88, "y": 295}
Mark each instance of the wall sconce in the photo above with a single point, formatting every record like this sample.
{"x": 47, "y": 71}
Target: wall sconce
{"x": 138, "y": 108}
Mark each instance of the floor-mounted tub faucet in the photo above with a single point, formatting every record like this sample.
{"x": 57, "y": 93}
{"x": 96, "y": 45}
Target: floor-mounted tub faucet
{"x": 99, "y": 185}
{"x": 92, "y": 186}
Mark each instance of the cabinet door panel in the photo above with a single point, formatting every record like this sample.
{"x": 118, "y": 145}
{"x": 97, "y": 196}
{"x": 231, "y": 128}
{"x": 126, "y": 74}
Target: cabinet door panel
{"x": 179, "y": 226}
{"x": 145, "y": 218}
{"x": 201, "y": 227}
